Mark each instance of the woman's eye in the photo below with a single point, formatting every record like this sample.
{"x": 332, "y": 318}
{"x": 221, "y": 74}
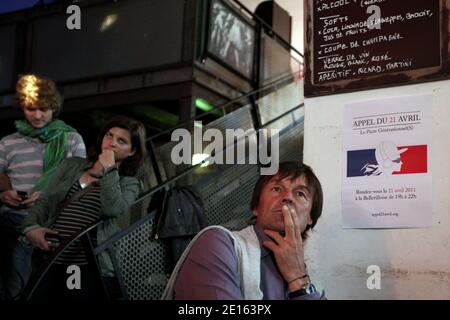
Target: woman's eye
{"x": 276, "y": 189}
{"x": 300, "y": 194}
{"x": 121, "y": 141}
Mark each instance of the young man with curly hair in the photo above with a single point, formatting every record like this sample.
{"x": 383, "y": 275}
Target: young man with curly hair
{"x": 28, "y": 158}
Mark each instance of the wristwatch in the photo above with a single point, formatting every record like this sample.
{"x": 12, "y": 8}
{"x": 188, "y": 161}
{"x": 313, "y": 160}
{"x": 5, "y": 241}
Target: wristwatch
{"x": 308, "y": 288}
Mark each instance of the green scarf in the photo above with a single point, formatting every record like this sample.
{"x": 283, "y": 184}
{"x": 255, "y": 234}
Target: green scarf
{"x": 54, "y": 135}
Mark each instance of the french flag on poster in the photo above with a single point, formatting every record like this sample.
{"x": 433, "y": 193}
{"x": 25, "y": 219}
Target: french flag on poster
{"x": 387, "y": 159}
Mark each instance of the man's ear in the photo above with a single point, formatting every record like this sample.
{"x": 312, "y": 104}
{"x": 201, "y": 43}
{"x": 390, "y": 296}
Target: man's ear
{"x": 255, "y": 212}
{"x": 310, "y": 221}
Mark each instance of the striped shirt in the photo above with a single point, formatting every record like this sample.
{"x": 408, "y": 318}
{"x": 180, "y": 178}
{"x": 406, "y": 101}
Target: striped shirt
{"x": 77, "y": 215}
{"x": 22, "y": 158}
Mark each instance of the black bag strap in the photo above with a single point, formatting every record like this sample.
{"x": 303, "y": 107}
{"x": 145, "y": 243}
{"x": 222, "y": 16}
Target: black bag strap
{"x": 158, "y": 203}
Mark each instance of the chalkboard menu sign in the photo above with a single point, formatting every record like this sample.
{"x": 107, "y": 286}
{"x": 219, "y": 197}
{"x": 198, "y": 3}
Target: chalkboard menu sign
{"x": 362, "y": 44}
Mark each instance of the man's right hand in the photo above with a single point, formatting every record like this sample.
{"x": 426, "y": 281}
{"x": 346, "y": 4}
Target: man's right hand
{"x": 37, "y": 237}
{"x": 288, "y": 249}
{"x": 11, "y": 198}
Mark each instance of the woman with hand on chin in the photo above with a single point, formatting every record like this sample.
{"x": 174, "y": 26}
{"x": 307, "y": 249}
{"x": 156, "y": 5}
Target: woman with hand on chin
{"x": 81, "y": 192}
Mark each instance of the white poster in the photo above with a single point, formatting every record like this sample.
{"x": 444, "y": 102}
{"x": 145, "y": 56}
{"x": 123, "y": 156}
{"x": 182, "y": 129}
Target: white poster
{"x": 387, "y": 163}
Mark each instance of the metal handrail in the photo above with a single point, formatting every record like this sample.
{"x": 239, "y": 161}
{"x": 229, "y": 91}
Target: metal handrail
{"x": 228, "y": 103}
{"x": 190, "y": 169}
{"x": 266, "y": 89}
{"x": 39, "y": 275}
{"x": 108, "y": 242}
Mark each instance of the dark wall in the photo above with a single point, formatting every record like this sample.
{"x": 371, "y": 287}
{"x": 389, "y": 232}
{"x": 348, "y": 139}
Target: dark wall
{"x": 142, "y": 34}
{"x": 7, "y": 54}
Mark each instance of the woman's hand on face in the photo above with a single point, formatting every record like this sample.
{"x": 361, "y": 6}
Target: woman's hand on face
{"x": 107, "y": 159}
{"x": 37, "y": 237}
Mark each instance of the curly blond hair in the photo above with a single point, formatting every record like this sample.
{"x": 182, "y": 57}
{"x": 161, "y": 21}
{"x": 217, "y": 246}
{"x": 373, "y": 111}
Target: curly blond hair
{"x": 33, "y": 90}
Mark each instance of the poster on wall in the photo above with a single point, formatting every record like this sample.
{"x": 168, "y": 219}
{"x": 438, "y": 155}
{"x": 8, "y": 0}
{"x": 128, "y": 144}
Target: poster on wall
{"x": 387, "y": 163}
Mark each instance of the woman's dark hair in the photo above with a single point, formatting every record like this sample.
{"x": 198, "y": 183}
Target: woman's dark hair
{"x": 130, "y": 165}
{"x": 294, "y": 170}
